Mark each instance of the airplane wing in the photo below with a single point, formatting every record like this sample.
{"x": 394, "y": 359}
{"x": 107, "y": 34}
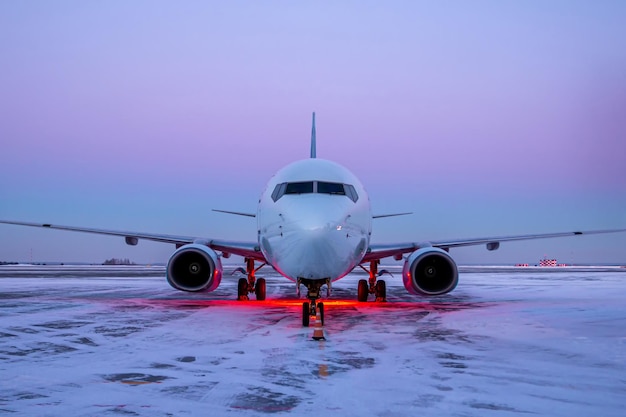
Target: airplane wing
{"x": 245, "y": 249}
{"x": 492, "y": 243}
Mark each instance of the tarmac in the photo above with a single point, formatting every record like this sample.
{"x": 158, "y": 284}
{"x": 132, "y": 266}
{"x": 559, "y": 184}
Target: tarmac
{"x": 94, "y": 340}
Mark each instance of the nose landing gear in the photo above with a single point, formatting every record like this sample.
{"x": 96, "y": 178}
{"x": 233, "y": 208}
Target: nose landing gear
{"x": 311, "y": 307}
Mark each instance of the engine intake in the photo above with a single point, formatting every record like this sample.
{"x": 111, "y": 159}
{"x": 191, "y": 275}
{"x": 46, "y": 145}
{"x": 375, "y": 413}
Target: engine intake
{"x": 430, "y": 271}
{"x": 194, "y": 268}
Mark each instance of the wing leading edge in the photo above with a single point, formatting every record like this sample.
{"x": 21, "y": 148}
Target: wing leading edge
{"x": 245, "y": 249}
{"x": 252, "y": 250}
{"x": 385, "y": 250}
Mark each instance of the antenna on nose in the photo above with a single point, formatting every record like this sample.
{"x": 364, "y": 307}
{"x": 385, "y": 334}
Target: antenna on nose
{"x": 313, "y": 144}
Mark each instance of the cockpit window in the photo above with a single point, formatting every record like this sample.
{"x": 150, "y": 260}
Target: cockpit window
{"x": 319, "y": 187}
{"x": 330, "y": 188}
{"x": 351, "y": 192}
{"x": 279, "y": 191}
{"x": 299, "y": 187}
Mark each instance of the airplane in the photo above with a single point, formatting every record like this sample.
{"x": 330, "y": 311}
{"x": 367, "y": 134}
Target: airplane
{"x": 314, "y": 224}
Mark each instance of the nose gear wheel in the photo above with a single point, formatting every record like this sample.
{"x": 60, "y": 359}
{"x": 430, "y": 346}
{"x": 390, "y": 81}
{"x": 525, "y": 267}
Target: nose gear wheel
{"x": 311, "y": 307}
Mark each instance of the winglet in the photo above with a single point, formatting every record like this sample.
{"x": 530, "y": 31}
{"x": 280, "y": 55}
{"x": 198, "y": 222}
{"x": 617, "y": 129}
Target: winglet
{"x": 313, "y": 144}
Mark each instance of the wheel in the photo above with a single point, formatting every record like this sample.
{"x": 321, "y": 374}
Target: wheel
{"x": 362, "y": 290}
{"x": 259, "y": 289}
{"x": 242, "y": 288}
{"x": 306, "y": 317}
{"x": 320, "y": 307}
{"x": 381, "y": 291}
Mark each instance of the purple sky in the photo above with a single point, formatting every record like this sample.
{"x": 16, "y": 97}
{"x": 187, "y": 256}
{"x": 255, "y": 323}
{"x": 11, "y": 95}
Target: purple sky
{"x": 481, "y": 117}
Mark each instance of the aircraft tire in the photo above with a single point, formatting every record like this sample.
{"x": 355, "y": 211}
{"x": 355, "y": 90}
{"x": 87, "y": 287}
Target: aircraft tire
{"x": 362, "y": 291}
{"x": 381, "y": 291}
{"x": 306, "y": 314}
{"x": 242, "y": 288}
{"x": 259, "y": 289}
{"x": 320, "y": 307}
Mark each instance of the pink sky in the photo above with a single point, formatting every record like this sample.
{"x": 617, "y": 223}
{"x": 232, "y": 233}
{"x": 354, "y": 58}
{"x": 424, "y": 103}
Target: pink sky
{"x": 482, "y": 117}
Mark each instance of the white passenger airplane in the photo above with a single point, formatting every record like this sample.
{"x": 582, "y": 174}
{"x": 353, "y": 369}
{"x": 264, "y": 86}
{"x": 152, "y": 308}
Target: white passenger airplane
{"x": 314, "y": 226}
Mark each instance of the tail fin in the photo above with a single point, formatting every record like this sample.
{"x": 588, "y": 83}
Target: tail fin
{"x": 313, "y": 144}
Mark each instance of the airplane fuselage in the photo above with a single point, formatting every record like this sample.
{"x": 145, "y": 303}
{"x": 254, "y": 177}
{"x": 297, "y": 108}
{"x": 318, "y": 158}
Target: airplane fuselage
{"x": 314, "y": 220}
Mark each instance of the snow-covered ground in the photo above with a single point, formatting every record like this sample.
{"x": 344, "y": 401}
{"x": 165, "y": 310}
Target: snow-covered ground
{"x": 82, "y": 341}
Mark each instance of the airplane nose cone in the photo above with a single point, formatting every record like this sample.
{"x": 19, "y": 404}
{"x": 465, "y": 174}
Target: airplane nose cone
{"x": 317, "y": 217}
{"x": 318, "y": 252}
{"x": 318, "y": 225}
{"x": 316, "y": 243}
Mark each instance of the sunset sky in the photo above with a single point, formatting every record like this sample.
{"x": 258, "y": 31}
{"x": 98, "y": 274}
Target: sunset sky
{"x": 482, "y": 117}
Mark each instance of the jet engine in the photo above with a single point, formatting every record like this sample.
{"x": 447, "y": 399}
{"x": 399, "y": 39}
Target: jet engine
{"x": 194, "y": 268}
{"x": 429, "y": 271}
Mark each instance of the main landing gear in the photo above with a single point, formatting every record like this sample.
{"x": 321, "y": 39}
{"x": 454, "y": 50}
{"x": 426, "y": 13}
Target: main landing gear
{"x": 251, "y": 284}
{"x": 373, "y": 286}
{"x": 311, "y": 307}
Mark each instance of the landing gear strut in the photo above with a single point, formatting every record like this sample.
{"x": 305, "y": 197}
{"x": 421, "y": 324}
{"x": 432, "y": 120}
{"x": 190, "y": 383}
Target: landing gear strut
{"x": 311, "y": 307}
{"x": 373, "y": 286}
{"x": 251, "y": 284}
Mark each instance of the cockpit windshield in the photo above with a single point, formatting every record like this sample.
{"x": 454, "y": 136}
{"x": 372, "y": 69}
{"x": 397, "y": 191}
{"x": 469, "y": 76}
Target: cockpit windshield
{"x": 330, "y": 188}
{"x": 318, "y": 187}
{"x": 299, "y": 187}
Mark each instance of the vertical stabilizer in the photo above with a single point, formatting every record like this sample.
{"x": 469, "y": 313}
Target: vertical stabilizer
{"x": 313, "y": 144}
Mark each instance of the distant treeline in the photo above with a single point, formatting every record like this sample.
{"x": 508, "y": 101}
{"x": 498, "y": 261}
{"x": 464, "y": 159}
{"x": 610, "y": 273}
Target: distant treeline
{"x": 116, "y": 261}
{"x": 8, "y": 263}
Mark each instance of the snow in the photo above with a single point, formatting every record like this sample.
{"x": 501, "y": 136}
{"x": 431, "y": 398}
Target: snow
{"x": 106, "y": 341}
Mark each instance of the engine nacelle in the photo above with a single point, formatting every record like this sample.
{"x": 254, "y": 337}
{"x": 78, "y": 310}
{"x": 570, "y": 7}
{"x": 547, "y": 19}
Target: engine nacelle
{"x": 194, "y": 268}
{"x": 430, "y": 271}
